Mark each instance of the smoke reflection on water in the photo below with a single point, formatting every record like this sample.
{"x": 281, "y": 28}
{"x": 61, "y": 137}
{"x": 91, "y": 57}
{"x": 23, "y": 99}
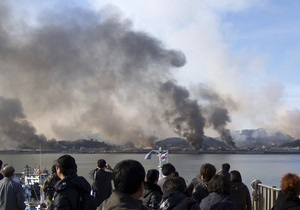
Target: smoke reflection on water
{"x": 267, "y": 168}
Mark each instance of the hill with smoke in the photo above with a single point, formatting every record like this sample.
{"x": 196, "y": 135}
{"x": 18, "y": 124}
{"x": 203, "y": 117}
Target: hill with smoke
{"x": 75, "y": 73}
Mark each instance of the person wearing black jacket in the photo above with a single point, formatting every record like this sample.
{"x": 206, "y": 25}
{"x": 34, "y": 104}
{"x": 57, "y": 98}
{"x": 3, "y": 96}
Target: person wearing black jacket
{"x": 71, "y": 186}
{"x": 152, "y": 191}
{"x": 207, "y": 171}
{"x": 239, "y": 192}
{"x": 174, "y": 196}
{"x": 102, "y": 187}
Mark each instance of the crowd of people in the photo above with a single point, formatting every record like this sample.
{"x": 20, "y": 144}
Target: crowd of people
{"x": 129, "y": 186}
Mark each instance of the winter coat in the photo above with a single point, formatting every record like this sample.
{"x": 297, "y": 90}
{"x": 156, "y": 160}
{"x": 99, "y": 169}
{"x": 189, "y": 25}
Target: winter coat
{"x": 239, "y": 192}
{"x": 11, "y": 195}
{"x": 177, "y": 201}
{"x": 285, "y": 203}
{"x": 200, "y": 191}
{"x": 152, "y": 195}
{"x": 48, "y": 187}
{"x": 121, "y": 201}
{"x": 67, "y": 192}
{"x": 194, "y": 183}
{"x": 102, "y": 186}
{"x": 215, "y": 201}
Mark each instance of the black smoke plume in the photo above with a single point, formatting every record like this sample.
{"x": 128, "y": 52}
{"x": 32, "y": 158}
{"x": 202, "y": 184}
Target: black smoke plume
{"x": 86, "y": 74}
{"x": 183, "y": 113}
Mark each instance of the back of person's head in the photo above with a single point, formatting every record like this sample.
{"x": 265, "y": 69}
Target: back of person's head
{"x": 225, "y": 167}
{"x": 128, "y": 175}
{"x": 8, "y": 171}
{"x": 235, "y": 176}
{"x": 174, "y": 184}
{"x": 1, "y": 162}
{"x": 67, "y": 165}
{"x": 152, "y": 175}
{"x": 53, "y": 169}
{"x": 290, "y": 184}
{"x": 101, "y": 163}
{"x": 219, "y": 184}
{"x": 167, "y": 169}
{"x": 207, "y": 170}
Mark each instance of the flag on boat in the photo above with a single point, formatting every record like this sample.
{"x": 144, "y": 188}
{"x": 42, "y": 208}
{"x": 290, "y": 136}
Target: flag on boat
{"x": 148, "y": 156}
{"x": 164, "y": 156}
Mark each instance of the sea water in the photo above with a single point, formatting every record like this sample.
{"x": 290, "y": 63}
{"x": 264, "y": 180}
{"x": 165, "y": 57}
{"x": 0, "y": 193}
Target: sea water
{"x": 268, "y": 168}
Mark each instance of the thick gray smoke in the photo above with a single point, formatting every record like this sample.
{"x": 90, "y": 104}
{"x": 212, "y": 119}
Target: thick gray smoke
{"x": 15, "y": 130}
{"x": 183, "y": 114}
{"x": 215, "y": 111}
{"x": 81, "y": 74}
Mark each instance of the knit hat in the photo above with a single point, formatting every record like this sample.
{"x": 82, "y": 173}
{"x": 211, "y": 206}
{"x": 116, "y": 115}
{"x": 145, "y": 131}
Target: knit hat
{"x": 67, "y": 162}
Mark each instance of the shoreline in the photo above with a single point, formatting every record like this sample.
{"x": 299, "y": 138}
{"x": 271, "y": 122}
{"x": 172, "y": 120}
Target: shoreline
{"x": 146, "y": 151}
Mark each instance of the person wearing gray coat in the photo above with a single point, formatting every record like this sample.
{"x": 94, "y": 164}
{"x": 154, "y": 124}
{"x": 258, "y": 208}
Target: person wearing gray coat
{"x": 11, "y": 192}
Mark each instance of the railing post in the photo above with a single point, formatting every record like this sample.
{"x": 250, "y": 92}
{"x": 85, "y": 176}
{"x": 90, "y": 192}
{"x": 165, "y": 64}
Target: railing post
{"x": 255, "y": 194}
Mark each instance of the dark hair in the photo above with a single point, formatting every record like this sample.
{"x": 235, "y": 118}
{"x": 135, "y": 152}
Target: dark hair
{"x": 235, "y": 176}
{"x": 174, "y": 184}
{"x": 290, "y": 184}
{"x": 219, "y": 184}
{"x": 101, "y": 163}
{"x": 207, "y": 170}
{"x": 67, "y": 165}
{"x": 53, "y": 168}
{"x": 225, "y": 167}
{"x": 128, "y": 175}
{"x": 167, "y": 169}
{"x": 8, "y": 171}
{"x": 152, "y": 175}
{"x": 1, "y": 164}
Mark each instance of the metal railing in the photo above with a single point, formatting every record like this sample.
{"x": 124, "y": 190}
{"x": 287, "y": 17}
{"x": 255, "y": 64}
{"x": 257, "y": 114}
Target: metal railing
{"x": 263, "y": 196}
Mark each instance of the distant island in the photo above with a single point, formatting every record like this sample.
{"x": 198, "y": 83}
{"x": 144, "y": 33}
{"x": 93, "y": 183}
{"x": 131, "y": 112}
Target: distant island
{"x": 246, "y": 142}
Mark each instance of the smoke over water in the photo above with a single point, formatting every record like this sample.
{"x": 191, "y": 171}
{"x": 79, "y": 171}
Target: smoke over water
{"x": 81, "y": 74}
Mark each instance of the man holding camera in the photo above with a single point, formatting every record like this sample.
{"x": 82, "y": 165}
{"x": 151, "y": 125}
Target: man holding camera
{"x": 102, "y": 187}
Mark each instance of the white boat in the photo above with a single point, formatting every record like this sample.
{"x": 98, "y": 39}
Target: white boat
{"x": 32, "y": 181}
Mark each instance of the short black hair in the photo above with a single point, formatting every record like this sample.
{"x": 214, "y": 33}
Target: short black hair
{"x": 225, "y": 167}
{"x": 167, "y": 169}
{"x": 174, "y": 184}
{"x": 152, "y": 175}
{"x": 219, "y": 184}
{"x": 8, "y": 171}
{"x": 128, "y": 175}
{"x": 101, "y": 163}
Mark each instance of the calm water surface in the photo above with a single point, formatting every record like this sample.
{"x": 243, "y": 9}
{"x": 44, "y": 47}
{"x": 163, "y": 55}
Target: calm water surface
{"x": 267, "y": 168}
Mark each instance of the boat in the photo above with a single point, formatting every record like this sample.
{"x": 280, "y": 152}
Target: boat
{"x": 32, "y": 181}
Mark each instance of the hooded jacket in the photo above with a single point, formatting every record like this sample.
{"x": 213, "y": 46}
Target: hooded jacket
{"x": 215, "y": 201}
{"x": 177, "y": 201}
{"x": 239, "y": 192}
{"x": 285, "y": 203}
{"x": 67, "y": 191}
{"x": 152, "y": 195}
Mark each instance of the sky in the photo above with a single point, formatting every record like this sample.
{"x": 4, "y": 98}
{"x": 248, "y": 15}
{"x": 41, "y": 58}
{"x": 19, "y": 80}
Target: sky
{"x": 240, "y": 57}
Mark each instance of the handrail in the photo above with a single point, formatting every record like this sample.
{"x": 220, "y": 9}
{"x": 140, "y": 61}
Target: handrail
{"x": 263, "y": 196}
